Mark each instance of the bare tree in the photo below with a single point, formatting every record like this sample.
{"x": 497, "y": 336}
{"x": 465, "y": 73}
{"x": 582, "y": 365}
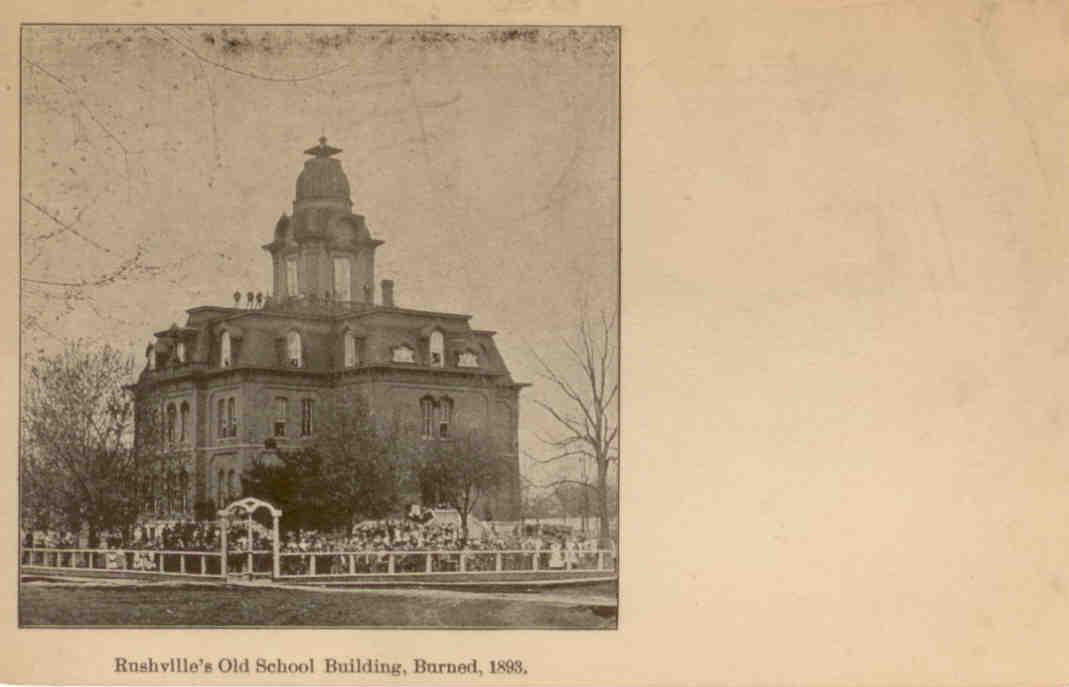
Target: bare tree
{"x": 587, "y": 421}
{"x": 78, "y": 464}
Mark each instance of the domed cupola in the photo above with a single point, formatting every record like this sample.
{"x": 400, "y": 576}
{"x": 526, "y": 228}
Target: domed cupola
{"x": 323, "y": 250}
{"x": 322, "y": 177}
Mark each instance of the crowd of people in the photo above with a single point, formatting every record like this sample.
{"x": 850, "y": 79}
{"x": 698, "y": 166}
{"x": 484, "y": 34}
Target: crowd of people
{"x": 180, "y": 536}
{"x": 375, "y": 541}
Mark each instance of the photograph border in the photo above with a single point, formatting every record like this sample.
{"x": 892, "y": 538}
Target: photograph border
{"x": 619, "y": 328}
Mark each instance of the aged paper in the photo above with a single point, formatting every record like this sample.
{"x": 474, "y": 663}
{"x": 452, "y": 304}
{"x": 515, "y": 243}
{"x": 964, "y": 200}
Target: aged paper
{"x": 834, "y": 231}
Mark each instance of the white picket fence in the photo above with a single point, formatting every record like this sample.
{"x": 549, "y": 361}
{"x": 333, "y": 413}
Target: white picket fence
{"x": 472, "y": 562}
{"x": 297, "y": 565}
{"x": 124, "y": 561}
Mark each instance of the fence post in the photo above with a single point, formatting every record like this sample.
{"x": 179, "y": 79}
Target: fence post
{"x": 275, "y": 566}
{"x": 182, "y": 563}
{"x": 497, "y": 565}
{"x": 463, "y": 560}
{"x": 389, "y": 563}
{"x": 534, "y": 560}
{"x": 352, "y": 564}
{"x": 312, "y": 564}
{"x": 601, "y": 560}
{"x": 222, "y": 559}
{"x": 429, "y": 563}
{"x": 202, "y": 564}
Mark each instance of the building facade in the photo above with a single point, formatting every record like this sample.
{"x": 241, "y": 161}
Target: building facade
{"x": 235, "y": 382}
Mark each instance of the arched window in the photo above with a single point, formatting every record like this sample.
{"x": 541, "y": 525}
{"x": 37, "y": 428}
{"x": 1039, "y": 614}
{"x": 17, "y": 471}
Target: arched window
{"x": 183, "y": 428}
{"x": 220, "y": 416}
{"x": 342, "y": 279}
{"x": 426, "y": 404}
{"x": 437, "y": 349}
{"x": 172, "y": 492}
{"x": 231, "y": 417}
{"x": 307, "y": 407}
{"x": 294, "y": 354}
{"x": 467, "y": 359}
{"x": 231, "y": 486}
{"x": 220, "y": 489}
{"x": 172, "y": 422}
{"x": 350, "y": 349}
{"x": 291, "y": 275}
{"x": 224, "y": 350}
{"x": 183, "y": 486}
{"x": 180, "y": 352}
{"x": 281, "y": 415}
{"x": 445, "y": 417}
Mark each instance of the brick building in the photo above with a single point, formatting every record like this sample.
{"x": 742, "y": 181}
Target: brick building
{"x": 233, "y": 378}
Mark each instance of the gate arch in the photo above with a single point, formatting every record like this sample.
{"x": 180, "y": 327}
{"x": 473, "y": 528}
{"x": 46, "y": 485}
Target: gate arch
{"x": 247, "y": 506}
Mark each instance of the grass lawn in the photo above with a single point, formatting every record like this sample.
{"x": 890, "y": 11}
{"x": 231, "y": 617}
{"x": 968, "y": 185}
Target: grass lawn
{"x": 206, "y": 606}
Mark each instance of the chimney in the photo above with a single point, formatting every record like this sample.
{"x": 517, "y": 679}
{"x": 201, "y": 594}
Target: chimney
{"x": 387, "y": 293}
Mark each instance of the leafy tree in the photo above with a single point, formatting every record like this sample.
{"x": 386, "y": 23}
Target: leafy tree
{"x": 78, "y": 466}
{"x": 292, "y": 483}
{"x": 352, "y": 470}
{"x": 458, "y": 472}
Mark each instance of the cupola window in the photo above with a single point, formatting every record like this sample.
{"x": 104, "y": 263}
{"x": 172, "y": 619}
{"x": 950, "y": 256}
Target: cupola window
{"x": 342, "y": 279}
{"x": 291, "y": 275}
{"x": 350, "y": 349}
{"x": 467, "y": 359}
{"x": 180, "y": 352}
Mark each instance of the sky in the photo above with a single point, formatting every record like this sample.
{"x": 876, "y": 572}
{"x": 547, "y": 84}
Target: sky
{"x": 157, "y": 159}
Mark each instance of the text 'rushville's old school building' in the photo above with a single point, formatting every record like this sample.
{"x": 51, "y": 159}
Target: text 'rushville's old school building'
{"x": 232, "y": 378}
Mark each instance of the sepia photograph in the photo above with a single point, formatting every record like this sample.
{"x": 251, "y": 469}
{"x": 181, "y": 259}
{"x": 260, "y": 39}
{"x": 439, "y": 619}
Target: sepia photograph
{"x": 319, "y": 326}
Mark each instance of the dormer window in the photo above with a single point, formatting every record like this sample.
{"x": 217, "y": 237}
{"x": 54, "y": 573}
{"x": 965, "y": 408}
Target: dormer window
{"x": 342, "y": 279}
{"x": 437, "y": 349}
{"x": 350, "y": 349}
{"x": 180, "y": 352}
{"x": 404, "y": 354}
{"x": 294, "y": 352}
{"x": 225, "y": 358}
{"x": 467, "y": 359}
{"x": 151, "y": 355}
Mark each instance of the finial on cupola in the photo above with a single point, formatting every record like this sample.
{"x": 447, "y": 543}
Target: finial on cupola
{"x": 322, "y": 150}
{"x": 237, "y": 299}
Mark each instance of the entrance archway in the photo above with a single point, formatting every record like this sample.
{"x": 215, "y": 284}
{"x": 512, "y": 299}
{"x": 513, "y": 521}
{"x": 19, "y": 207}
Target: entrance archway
{"x": 246, "y": 507}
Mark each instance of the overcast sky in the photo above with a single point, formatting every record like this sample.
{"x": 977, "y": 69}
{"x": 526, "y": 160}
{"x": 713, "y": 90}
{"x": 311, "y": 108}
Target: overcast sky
{"x": 485, "y": 159}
